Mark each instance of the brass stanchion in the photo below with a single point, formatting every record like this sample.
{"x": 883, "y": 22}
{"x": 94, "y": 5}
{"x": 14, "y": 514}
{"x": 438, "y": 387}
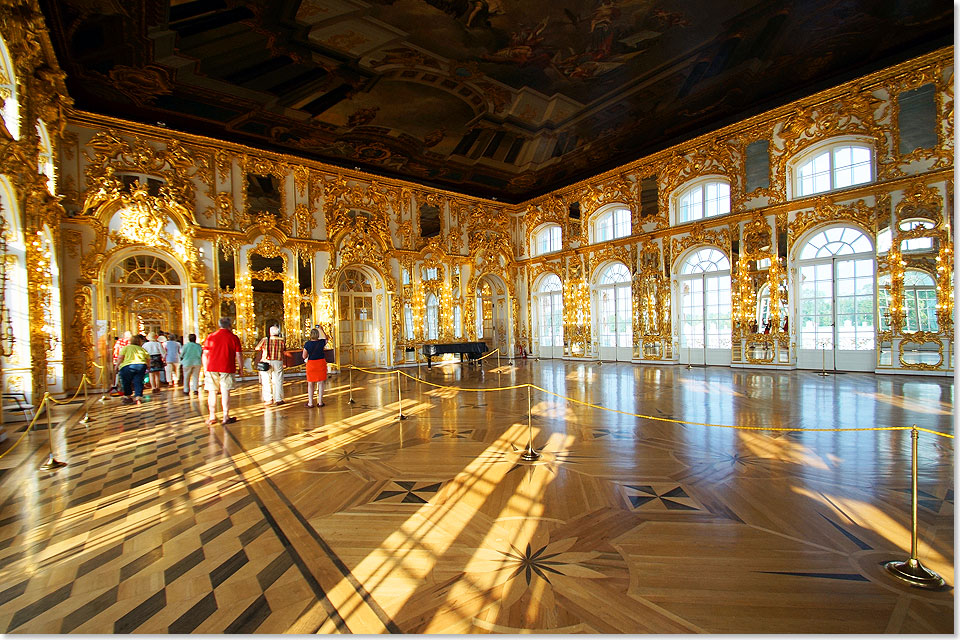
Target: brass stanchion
{"x": 823, "y": 360}
{"x": 912, "y": 570}
{"x": 529, "y": 453}
{"x": 86, "y": 415}
{"x": 51, "y": 463}
{"x": 400, "y": 415}
{"x": 350, "y": 400}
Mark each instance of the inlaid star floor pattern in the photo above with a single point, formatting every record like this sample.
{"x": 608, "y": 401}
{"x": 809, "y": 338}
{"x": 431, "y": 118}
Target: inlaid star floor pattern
{"x": 344, "y": 519}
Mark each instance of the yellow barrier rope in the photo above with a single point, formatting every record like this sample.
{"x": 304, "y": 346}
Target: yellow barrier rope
{"x": 495, "y": 351}
{"x": 30, "y": 426}
{"x": 83, "y": 381}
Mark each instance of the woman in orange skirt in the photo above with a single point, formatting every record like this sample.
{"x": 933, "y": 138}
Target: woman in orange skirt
{"x": 316, "y": 365}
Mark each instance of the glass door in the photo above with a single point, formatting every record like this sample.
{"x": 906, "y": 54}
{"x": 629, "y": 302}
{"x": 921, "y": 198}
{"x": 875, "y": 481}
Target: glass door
{"x": 837, "y": 319}
{"x": 705, "y": 308}
{"x": 549, "y": 309}
{"x": 614, "y": 306}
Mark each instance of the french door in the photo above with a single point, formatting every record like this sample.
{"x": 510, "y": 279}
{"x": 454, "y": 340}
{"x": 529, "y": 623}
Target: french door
{"x": 705, "y": 319}
{"x": 550, "y": 324}
{"x": 837, "y": 328}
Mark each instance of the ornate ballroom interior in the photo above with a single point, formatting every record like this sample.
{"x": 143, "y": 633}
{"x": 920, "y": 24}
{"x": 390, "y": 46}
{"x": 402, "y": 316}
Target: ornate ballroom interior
{"x": 735, "y": 214}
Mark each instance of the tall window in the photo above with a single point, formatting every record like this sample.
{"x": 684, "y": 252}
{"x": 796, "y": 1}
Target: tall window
{"x": 613, "y": 310}
{"x": 408, "y": 321}
{"x": 547, "y": 240}
{"x": 8, "y": 92}
{"x": 549, "y": 310}
{"x": 839, "y": 166}
{"x": 703, "y": 200}
{"x": 433, "y": 316}
{"x": 46, "y": 158}
{"x": 457, "y": 322}
{"x": 613, "y": 223}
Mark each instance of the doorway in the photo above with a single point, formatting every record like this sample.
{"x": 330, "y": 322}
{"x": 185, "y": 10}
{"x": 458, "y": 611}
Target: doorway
{"x": 613, "y": 306}
{"x": 359, "y": 329}
{"x": 837, "y": 323}
{"x": 548, "y": 307}
{"x": 705, "y": 308}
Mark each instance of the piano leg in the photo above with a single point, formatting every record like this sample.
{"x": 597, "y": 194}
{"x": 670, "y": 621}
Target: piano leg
{"x": 429, "y": 362}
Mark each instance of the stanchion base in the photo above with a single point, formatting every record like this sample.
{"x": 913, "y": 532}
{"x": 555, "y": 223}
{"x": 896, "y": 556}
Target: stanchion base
{"x": 103, "y": 398}
{"x": 915, "y": 573}
{"x": 52, "y": 463}
{"x": 85, "y": 419}
{"x": 401, "y": 417}
{"x": 823, "y": 375}
{"x": 530, "y": 454}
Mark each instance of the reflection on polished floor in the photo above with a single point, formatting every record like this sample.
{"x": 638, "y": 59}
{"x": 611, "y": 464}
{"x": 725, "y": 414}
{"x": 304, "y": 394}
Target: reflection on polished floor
{"x": 343, "y": 518}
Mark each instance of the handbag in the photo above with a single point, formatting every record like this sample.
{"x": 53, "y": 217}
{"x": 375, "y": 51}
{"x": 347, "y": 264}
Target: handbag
{"x": 263, "y": 366}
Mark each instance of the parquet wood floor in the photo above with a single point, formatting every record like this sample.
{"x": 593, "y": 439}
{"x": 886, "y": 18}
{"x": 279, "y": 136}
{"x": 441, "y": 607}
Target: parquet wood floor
{"x": 344, "y": 519}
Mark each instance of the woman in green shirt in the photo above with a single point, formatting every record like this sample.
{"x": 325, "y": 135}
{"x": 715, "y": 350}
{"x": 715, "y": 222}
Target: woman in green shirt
{"x": 133, "y": 366}
{"x": 190, "y": 365}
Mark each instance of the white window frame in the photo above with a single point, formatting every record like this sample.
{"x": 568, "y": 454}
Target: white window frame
{"x": 45, "y": 160}
{"x": 829, "y": 147}
{"x": 701, "y": 185}
{"x": 620, "y": 223}
{"x": 547, "y": 239}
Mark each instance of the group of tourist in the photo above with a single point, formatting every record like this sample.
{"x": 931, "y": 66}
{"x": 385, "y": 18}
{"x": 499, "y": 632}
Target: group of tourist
{"x": 136, "y": 356}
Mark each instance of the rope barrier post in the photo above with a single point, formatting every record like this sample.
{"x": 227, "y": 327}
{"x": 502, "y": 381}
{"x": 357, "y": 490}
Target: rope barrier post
{"x": 86, "y": 414}
{"x": 52, "y": 463}
{"x": 912, "y": 570}
{"x": 400, "y": 415}
{"x": 823, "y": 360}
{"x": 529, "y": 453}
{"x": 350, "y": 400}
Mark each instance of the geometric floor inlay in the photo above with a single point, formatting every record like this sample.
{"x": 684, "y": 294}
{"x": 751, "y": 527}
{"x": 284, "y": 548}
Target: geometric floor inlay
{"x": 660, "y": 498}
{"x": 407, "y": 492}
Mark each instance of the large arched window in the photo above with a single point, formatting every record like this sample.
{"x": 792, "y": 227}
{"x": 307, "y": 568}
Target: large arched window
{"x": 836, "y": 166}
{"x": 433, "y": 316}
{"x": 8, "y": 91}
{"x": 613, "y": 310}
{"x": 547, "y": 239}
{"x": 45, "y": 161}
{"x": 836, "y": 300}
{"x": 408, "y": 321}
{"x": 611, "y": 223}
{"x": 549, "y": 317}
{"x": 705, "y": 308}
{"x": 702, "y": 199}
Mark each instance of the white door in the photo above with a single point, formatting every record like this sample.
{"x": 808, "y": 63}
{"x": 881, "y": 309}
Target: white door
{"x": 549, "y": 318}
{"x": 837, "y": 280}
{"x": 613, "y": 305}
{"x": 705, "y": 308}
{"x": 356, "y": 328}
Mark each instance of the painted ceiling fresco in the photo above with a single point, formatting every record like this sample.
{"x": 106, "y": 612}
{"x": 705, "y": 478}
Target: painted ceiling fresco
{"x": 503, "y": 98}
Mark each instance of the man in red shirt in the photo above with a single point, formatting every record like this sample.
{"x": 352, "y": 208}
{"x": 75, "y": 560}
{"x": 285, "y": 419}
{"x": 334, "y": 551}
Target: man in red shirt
{"x": 221, "y": 362}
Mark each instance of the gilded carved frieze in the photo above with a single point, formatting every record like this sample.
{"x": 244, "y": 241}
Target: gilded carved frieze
{"x": 825, "y": 212}
{"x": 720, "y": 157}
{"x": 933, "y": 73}
{"x": 852, "y": 114}
{"x": 305, "y": 221}
{"x": 80, "y": 355}
{"x": 112, "y": 153}
{"x": 615, "y": 190}
{"x": 700, "y": 235}
{"x": 343, "y": 198}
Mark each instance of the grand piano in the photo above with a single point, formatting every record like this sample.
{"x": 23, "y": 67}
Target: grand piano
{"x": 471, "y": 349}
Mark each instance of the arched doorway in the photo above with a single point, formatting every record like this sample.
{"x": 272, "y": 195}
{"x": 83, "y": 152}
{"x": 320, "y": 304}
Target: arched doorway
{"x": 837, "y": 324}
{"x": 613, "y": 310}
{"x": 491, "y": 312}
{"x": 361, "y": 320}
{"x": 548, "y": 317}
{"x": 705, "y": 308}
{"x": 144, "y": 294}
